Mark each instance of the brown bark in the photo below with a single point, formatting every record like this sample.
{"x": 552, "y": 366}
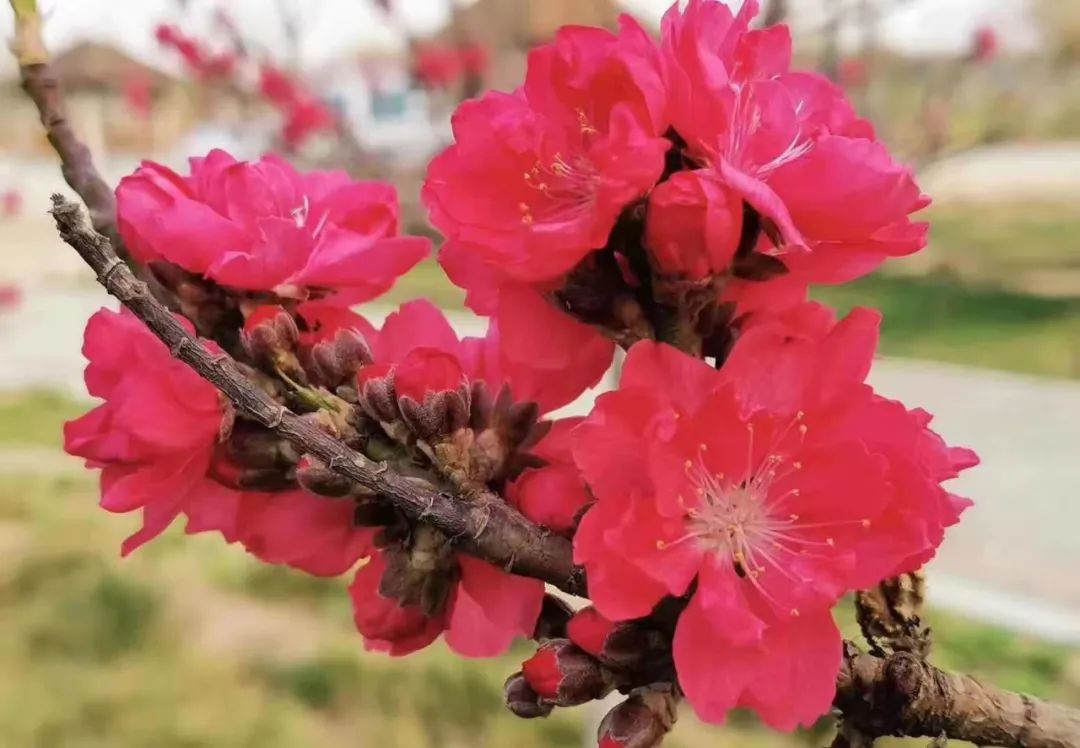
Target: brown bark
{"x": 905, "y": 695}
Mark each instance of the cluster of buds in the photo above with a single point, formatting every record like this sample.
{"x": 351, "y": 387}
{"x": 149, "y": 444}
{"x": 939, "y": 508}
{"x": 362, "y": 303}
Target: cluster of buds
{"x": 428, "y": 402}
{"x": 593, "y": 657}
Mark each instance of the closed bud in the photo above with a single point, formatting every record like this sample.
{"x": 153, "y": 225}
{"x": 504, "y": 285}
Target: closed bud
{"x": 313, "y": 475}
{"x": 641, "y": 721}
{"x": 270, "y": 334}
{"x": 694, "y": 225}
{"x": 522, "y": 700}
{"x": 250, "y": 445}
{"x": 336, "y": 361}
{"x": 622, "y": 647}
{"x": 565, "y": 675}
{"x": 433, "y": 393}
{"x": 375, "y": 388}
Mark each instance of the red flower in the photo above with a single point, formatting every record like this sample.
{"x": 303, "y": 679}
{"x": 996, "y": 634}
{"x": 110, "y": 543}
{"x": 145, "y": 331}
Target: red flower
{"x": 437, "y": 66}
{"x": 154, "y": 436}
{"x": 264, "y": 226}
{"x": 475, "y": 59}
{"x": 537, "y": 178}
{"x": 853, "y": 72}
{"x": 139, "y": 94}
{"x": 536, "y": 181}
{"x": 779, "y": 484}
{"x": 834, "y": 202}
{"x": 154, "y": 439}
{"x": 432, "y": 372}
{"x": 487, "y": 609}
{"x": 305, "y": 115}
{"x": 204, "y": 64}
{"x": 984, "y": 44}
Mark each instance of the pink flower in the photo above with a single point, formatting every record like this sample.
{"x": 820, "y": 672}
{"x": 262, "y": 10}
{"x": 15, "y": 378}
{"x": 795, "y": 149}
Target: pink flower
{"x": 206, "y": 65}
{"x": 437, "y": 66}
{"x": 984, "y": 44}
{"x": 305, "y": 115}
{"x": 536, "y": 179}
{"x": 385, "y": 625}
{"x": 154, "y": 436}
{"x": 156, "y": 439}
{"x": 310, "y": 533}
{"x": 432, "y": 374}
{"x": 573, "y": 356}
{"x": 10, "y": 296}
{"x": 264, "y": 226}
{"x": 779, "y": 484}
{"x": 832, "y": 201}
{"x": 487, "y": 609}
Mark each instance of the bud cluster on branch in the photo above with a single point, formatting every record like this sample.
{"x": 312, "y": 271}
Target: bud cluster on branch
{"x": 677, "y": 199}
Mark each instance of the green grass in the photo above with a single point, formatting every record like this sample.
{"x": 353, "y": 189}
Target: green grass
{"x": 945, "y": 318}
{"x": 35, "y": 419}
{"x": 1005, "y": 243}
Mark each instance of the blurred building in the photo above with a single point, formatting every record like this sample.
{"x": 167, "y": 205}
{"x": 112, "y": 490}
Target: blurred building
{"x": 509, "y": 28}
{"x": 117, "y": 104}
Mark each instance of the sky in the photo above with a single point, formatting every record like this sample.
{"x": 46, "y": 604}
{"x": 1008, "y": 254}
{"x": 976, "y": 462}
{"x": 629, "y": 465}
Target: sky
{"x": 335, "y": 27}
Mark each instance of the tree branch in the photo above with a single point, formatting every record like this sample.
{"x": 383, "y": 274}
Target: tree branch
{"x": 42, "y": 86}
{"x": 904, "y": 695}
{"x": 480, "y": 523}
{"x": 896, "y": 695}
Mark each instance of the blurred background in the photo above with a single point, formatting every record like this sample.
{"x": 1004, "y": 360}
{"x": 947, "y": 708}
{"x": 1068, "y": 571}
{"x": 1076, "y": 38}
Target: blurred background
{"x": 191, "y": 643}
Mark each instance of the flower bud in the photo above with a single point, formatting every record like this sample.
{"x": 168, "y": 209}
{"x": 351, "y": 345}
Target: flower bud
{"x": 622, "y": 647}
{"x": 433, "y": 394}
{"x": 313, "y": 475}
{"x": 385, "y": 623}
{"x": 564, "y": 675}
{"x": 334, "y": 362}
{"x": 269, "y": 330}
{"x": 693, "y": 225}
{"x": 641, "y": 721}
{"x": 251, "y": 445}
{"x": 375, "y": 387}
{"x": 522, "y": 700}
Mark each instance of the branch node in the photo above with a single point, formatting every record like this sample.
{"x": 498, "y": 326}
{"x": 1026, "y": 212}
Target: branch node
{"x": 277, "y": 418}
{"x": 179, "y": 347}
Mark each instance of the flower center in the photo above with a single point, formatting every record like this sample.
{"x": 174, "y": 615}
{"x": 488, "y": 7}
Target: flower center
{"x": 564, "y": 188}
{"x": 753, "y": 522}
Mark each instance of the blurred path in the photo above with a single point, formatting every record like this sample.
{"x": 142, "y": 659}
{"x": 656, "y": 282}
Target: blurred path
{"x": 1025, "y": 172}
{"x": 1012, "y": 561}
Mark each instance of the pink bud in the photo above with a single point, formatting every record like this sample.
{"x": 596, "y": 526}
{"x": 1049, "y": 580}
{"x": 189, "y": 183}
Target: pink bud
{"x": 336, "y": 361}
{"x": 589, "y": 630}
{"x": 564, "y": 675}
{"x": 693, "y": 225}
{"x": 269, "y": 334}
